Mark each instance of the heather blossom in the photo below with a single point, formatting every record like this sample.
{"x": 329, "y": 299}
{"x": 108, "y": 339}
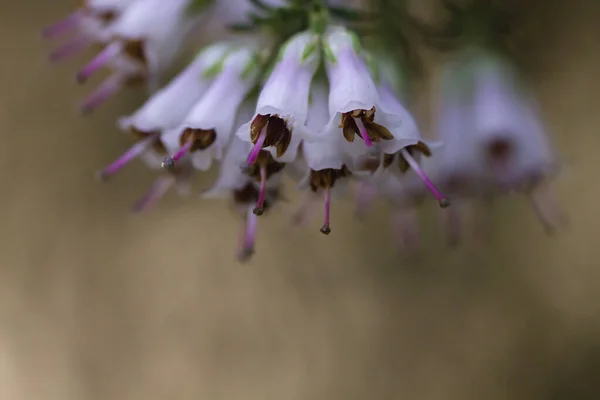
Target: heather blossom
{"x": 166, "y": 109}
{"x": 327, "y": 167}
{"x": 144, "y": 41}
{"x": 84, "y": 27}
{"x": 303, "y": 94}
{"x": 206, "y": 130}
{"x": 245, "y": 188}
{"x": 358, "y": 106}
{"x": 495, "y": 139}
{"x": 282, "y": 106}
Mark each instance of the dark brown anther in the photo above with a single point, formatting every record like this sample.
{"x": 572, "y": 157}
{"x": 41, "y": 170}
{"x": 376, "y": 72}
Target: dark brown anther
{"x": 414, "y": 150}
{"x": 135, "y": 50}
{"x": 202, "y": 138}
{"x": 157, "y": 145}
{"x": 277, "y": 135}
{"x": 257, "y": 125}
{"x": 358, "y": 113}
{"x": 388, "y": 159}
{"x": 326, "y": 178}
{"x": 325, "y": 230}
{"x": 266, "y": 160}
{"x": 371, "y": 164}
{"x": 349, "y": 127}
{"x": 375, "y": 131}
{"x": 107, "y": 16}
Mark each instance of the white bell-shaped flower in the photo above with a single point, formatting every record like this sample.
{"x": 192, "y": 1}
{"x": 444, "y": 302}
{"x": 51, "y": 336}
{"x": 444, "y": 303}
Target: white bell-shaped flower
{"x": 354, "y": 103}
{"x": 327, "y": 166}
{"x": 145, "y": 40}
{"x": 208, "y": 127}
{"x": 84, "y": 27}
{"x": 166, "y": 109}
{"x": 282, "y": 106}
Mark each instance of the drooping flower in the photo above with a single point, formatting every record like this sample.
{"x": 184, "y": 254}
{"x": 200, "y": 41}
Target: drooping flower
{"x": 166, "y": 109}
{"x": 208, "y": 127}
{"x": 84, "y": 27}
{"x": 282, "y": 106}
{"x": 358, "y": 105}
{"x": 241, "y": 185}
{"x": 145, "y": 39}
{"x": 326, "y": 165}
{"x": 494, "y": 135}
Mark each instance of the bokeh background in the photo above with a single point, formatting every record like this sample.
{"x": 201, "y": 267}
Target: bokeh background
{"x": 96, "y": 303}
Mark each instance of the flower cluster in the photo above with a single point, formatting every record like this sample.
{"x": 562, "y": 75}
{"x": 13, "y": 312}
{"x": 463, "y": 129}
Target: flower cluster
{"x": 302, "y": 94}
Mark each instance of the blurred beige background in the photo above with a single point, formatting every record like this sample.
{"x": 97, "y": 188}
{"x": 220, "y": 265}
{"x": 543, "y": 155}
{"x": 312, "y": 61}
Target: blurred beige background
{"x": 96, "y": 303}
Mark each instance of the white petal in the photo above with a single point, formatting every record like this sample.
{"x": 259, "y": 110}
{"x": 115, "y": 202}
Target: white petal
{"x": 167, "y": 108}
{"x": 350, "y": 84}
{"x": 394, "y": 116}
{"x": 286, "y": 92}
{"x": 163, "y": 26}
{"x": 231, "y": 176}
{"x": 218, "y": 107}
{"x": 324, "y": 151}
{"x": 170, "y": 139}
{"x": 203, "y": 159}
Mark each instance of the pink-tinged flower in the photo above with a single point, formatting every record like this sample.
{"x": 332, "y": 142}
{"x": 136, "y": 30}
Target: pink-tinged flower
{"x": 495, "y": 140}
{"x": 358, "y": 105}
{"x": 327, "y": 167}
{"x": 282, "y": 106}
{"x": 85, "y": 26}
{"x": 208, "y": 127}
{"x": 166, "y": 109}
{"x": 241, "y": 185}
{"x": 145, "y": 39}
{"x": 355, "y": 105}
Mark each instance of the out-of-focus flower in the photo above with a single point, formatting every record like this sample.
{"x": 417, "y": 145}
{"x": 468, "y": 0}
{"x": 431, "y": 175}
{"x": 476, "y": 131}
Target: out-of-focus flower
{"x": 144, "y": 41}
{"x": 282, "y": 106}
{"x": 241, "y": 184}
{"x": 292, "y": 95}
{"x": 207, "y": 129}
{"x": 357, "y": 104}
{"x": 85, "y": 26}
{"x": 167, "y": 108}
{"x": 495, "y": 140}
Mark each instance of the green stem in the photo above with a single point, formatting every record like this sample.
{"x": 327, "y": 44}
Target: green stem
{"x": 318, "y": 16}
